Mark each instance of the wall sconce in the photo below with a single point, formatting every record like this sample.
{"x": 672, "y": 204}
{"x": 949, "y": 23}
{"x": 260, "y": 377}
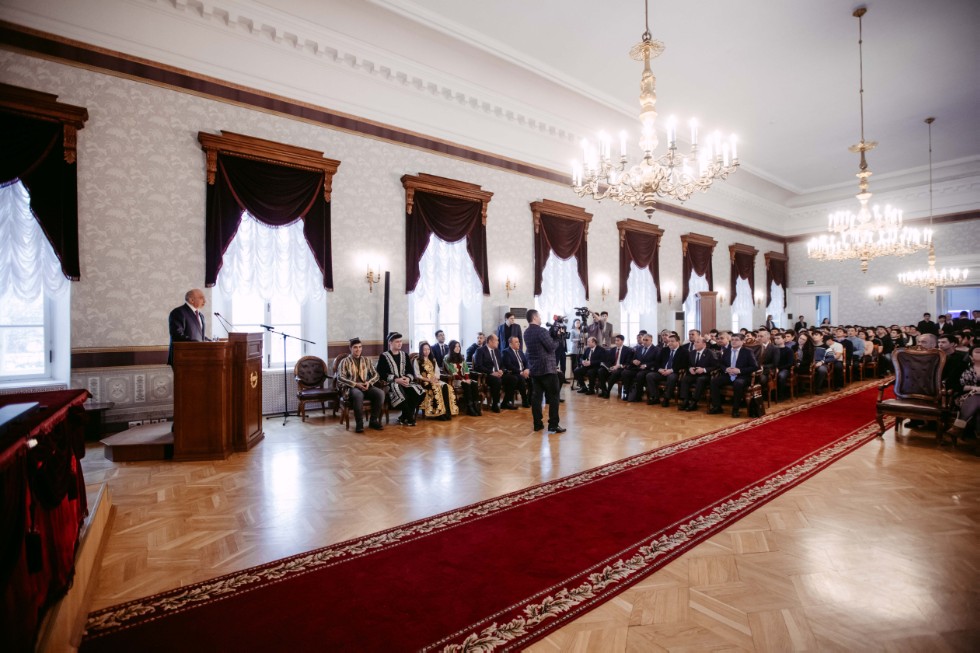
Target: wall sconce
{"x": 671, "y": 290}
{"x": 603, "y": 286}
{"x": 759, "y": 298}
{"x": 509, "y": 286}
{"x": 878, "y": 294}
{"x": 721, "y": 297}
{"x": 372, "y": 277}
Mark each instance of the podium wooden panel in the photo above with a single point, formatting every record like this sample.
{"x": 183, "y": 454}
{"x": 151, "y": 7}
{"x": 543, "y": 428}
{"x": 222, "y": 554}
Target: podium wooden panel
{"x": 708, "y": 306}
{"x": 217, "y": 397}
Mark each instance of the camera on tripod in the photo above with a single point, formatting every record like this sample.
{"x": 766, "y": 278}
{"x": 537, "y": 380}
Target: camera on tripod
{"x": 583, "y": 313}
{"x": 558, "y": 329}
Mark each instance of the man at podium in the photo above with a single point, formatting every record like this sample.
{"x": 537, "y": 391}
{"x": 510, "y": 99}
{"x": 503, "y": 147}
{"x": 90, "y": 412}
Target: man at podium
{"x": 187, "y": 321}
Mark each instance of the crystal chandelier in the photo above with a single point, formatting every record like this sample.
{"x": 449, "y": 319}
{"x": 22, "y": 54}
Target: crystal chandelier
{"x": 930, "y": 277}
{"x": 670, "y": 175}
{"x": 871, "y": 232}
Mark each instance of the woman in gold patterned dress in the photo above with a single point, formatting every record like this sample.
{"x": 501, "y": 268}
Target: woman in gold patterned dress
{"x": 438, "y": 395}
{"x": 459, "y": 369}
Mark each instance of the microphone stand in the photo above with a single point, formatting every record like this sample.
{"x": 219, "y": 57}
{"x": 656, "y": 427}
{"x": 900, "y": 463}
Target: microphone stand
{"x": 285, "y": 378}
{"x": 225, "y": 324}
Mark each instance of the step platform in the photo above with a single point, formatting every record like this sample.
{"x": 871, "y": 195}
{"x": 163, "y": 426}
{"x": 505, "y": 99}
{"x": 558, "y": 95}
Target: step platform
{"x": 144, "y": 442}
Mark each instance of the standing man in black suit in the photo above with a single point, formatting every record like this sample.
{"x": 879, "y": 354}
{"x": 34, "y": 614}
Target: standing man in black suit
{"x": 187, "y": 321}
{"x": 508, "y": 330}
{"x": 541, "y": 349}
{"x": 617, "y": 358}
{"x": 588, "y": 367}
{"x": 486, "y": 361}
{"x": 739, "y": 365}
{"x": 515, "y": 365}
{"x": 800, "y": 324}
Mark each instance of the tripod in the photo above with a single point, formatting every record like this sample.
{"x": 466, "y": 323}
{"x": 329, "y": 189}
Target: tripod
{"x": 285, "y": 376}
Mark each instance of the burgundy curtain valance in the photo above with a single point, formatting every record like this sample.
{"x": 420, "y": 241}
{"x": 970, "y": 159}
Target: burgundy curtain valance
{"x": 696, "y": 251}
{"x": 743, "y": 266}
{"x": 277, "y": 184}
{"x": 639, "y": 242}
{"x": 776, "y": 265}
{"x": 564, "y": 230}
{"x": 451, "y": 210}
{"x": 39, "y": 136}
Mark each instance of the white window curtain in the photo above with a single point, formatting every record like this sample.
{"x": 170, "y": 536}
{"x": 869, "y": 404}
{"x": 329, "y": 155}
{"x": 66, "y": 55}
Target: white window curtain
{"x": 270, "y": 262}
{"x": 775, "y": 307}
{"x": 641, "y": 294}
{"x": 561, "y": 288}
{"x": 28, "y": 264}
{"x": 447, "y": 275}
{"x": 743, "y": 304}
{"x": 695, "y": 285}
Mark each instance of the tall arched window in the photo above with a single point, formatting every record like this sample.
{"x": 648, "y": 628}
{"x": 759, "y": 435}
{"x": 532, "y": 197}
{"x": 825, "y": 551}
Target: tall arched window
{"x": 561, "y": 258}
{"x": 742, "y": 284}
{"x": 776, "y": 272}
{"x": 639, "y": 275}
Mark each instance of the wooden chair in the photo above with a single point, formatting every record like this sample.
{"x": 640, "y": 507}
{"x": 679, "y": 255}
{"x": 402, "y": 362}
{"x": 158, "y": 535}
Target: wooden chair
{"x": 753, "y": 389}
{"x": 919, "y": 392}
{"x": 343, "y": 398}
{"x": 868, "y": 364}
{"x": 809, "y": 379}
{"x": 313, "y": 384}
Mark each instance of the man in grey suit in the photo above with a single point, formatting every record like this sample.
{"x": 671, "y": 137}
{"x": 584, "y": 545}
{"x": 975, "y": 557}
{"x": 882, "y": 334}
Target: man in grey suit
{"x": 544, "y": 372}
{"x": 187, "y": 321}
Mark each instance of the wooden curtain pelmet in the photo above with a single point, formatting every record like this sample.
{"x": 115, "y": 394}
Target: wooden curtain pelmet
{"x": 446, "y": 187}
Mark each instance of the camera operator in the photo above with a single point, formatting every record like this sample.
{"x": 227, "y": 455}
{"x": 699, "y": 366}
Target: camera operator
{"x": 558, "y": 330}
{"x": 600, "y": 329}
{"x": 541, "y": 347}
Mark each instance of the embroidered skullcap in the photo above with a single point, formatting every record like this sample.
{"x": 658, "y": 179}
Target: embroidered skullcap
{"x": 355, "y": 341}
{"x": 394, "y": 335}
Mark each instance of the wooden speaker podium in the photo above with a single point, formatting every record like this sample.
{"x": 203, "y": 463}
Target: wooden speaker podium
{"x": 217, "y": 397}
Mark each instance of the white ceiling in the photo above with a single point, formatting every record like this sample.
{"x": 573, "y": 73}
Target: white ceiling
{"x": 781, "y": 75}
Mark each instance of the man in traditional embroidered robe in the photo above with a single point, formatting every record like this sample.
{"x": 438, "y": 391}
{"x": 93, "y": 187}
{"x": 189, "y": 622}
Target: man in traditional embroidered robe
{"x": 356, "y": 376}
{"x": 396, "y": 370}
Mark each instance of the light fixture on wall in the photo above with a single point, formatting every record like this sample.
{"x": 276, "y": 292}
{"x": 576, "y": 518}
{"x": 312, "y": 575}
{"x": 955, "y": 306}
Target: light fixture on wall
{"x": 871, "y": 232}
{"x": 603, "y": 286}
{"x": 878, "y": 294}
{"x": 671, "y": 290}
{"x": 930, "y": 277}
{"x": 509, "y": 285}
{"x": 759, "y": 297}
{"x": 721, "y": 297}
{"x": 372, "y": 277}
{"x": 670, "y": 175}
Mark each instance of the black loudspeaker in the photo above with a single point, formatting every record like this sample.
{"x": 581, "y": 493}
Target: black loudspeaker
{"x": 679, "y": 315}
{"x": 519, "y": 313}
{"x": 789, "y": 316}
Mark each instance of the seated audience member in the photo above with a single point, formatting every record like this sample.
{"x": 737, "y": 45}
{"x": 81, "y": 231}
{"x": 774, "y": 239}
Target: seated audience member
{"x": 806, "y": 358}
{"x": 768, "y": 356}
{"x": 784, "y": 365}
{"x": 713, "y": 340}
{"x": 463, "y": 384}
{"x": 480, "y": 339}
{"x": 667, "y": 369}
{"x": 963, "y": 322}
{"x": 944, "y": 324}
{"x": 356, "y": 377}
{"x": 702, "y": 363}
{"x": 515, "y": 364}
{"x": 738, "y": 365}
{"x": 691, "y": 335}
{"x": 486, "y": 361}
{"x": 404, "y": 390}
{"x": 822, "y": 360}
{"x": 611, "y": 372}
{"x": 634, "y": 378}
{"x": 968, "y": 401}
{"x": 835, "y": 358}
{"x": 587, "y": 371}
{"x": 440, "y": 398}
{"x": 440, "y": 349}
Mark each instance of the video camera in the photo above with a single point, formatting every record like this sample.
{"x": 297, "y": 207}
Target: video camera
{"x": 558, "y": 329}
{"x": 583, "y": 313}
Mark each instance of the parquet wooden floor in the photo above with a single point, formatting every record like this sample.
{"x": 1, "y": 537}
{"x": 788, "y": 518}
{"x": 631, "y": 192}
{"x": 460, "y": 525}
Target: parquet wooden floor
{"x": 878, "y": 552}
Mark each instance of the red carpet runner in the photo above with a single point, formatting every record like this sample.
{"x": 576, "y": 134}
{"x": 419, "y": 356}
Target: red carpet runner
{"x": 499, "y": 574}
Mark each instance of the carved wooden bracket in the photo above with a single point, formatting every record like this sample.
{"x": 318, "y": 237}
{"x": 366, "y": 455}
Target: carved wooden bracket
{"x": 739, "y": 248}
{"x": 697, "y": 239}
{"x": 551, "y": 207}
{"x": 249, "y": 147}
{"x": 444, "y": 186}
{"x": 45, "y": 106}
{"x": 775, "y": 256}
{"x": 642, "y": 227}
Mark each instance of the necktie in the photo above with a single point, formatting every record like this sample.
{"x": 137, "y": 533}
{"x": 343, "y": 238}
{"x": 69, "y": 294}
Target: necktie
{"x": 494, "y": 359}
{"x": 670, "y": 359}
{"x": 734, "y": 358}
{"x": 520, "y": 366}
{"x": 697, "y": 359}
{"x": 618, "y": 350}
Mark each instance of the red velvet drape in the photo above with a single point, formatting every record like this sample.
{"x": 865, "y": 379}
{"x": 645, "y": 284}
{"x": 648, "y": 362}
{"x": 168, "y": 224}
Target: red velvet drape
{"x": 275, "y": 195}
{"x": 743, "y": 267}
{"x": 775, "y": 272}
{"x": 698, "y": 259}
{"x": 644, "y": 249}
{"x": 566, "y": 238}
{"x": 34, "y": 152}
{"x": 451, "y": 219}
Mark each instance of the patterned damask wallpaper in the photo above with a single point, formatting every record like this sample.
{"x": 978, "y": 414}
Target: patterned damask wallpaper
{"x": 956, "y": 246}
{"x": 142, "y": 194}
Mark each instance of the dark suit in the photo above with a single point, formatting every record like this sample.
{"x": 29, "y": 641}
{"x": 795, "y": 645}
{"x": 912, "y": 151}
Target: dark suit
{"x": 505, "y": 332}
{"x": 470, "y": 351}
{"x": 185, "y": 326}
{"x": 608, "y": 377}
{"x": 440, "y": 351}
{"x": 545, "y": 384}
{"x": 672, "y": 360}
{"x": 698, "y": 359}
{"x": 487, "y": 362}
{"x": 514, "y": 363}
{"x": 586, "y": 375}
{"x": 768, "y": 360}
{"x": 634, "y": 378}
{"x": 799, "y": 326}
{"x": 746, "y": 364}
{"x": 784, "y": 366}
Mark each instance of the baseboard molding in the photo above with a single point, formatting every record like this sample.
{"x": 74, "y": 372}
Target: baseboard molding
{"x": 64, "y": 623}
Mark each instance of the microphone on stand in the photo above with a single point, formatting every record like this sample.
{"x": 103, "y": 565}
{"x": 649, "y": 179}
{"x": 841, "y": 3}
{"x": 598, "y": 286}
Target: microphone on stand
{"x": 228, "y": 326}
{"x": 266, "y": 326}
